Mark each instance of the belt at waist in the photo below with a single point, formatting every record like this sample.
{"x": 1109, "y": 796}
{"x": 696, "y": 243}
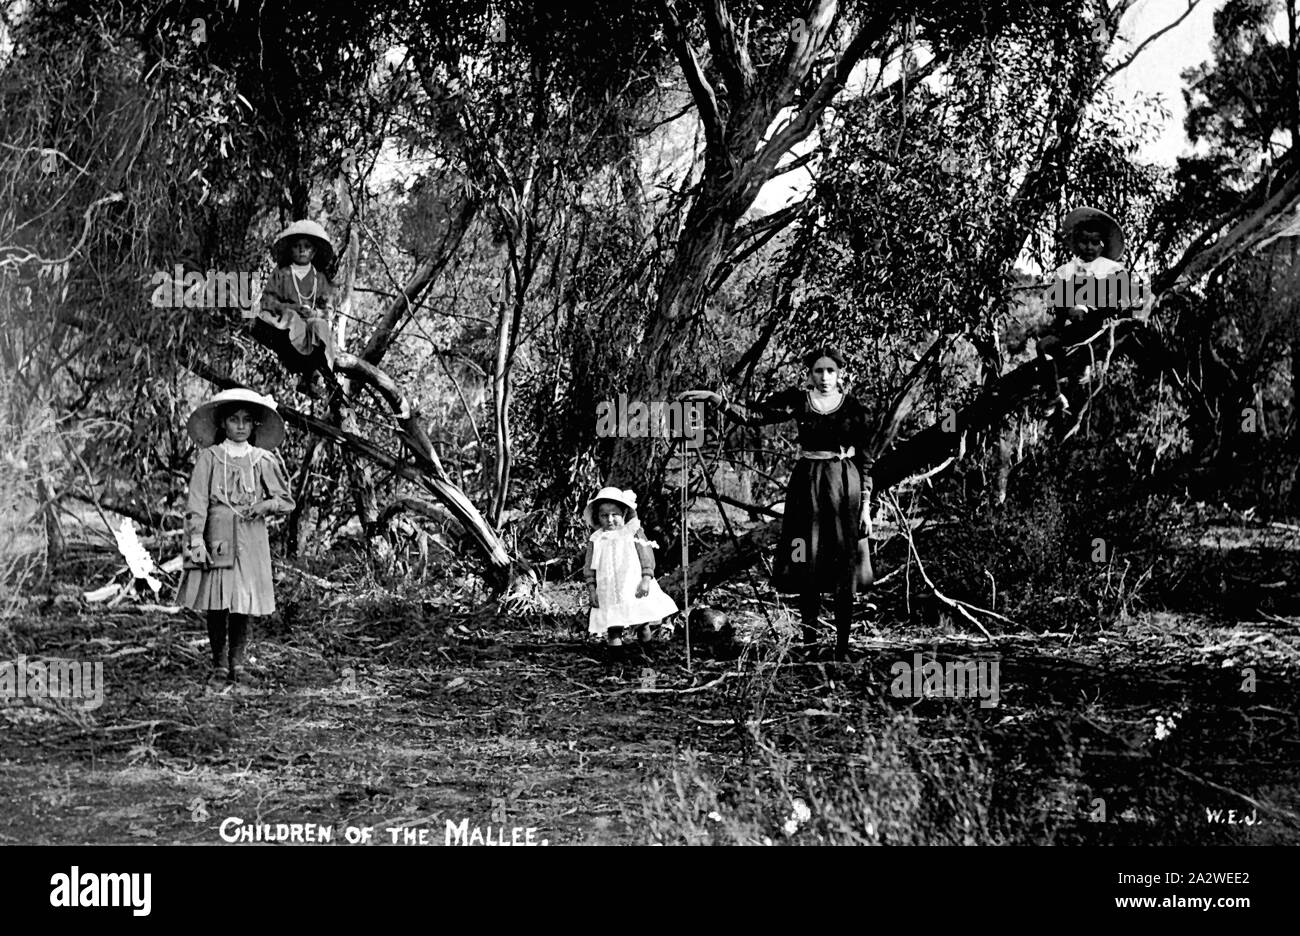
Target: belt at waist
{"x": 842, "y": 454}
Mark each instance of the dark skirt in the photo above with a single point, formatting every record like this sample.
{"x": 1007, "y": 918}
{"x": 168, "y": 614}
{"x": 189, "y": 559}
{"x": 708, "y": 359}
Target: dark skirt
{"x": 819, "y": 530}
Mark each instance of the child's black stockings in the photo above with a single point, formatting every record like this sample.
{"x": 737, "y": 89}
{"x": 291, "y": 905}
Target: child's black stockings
{"x": 843, "y": 620}
{"x": 809, "y": 608}
{"x": 217, "y": 637}
{"x": 810, "y": 605}
{"x": 238, "y": 640}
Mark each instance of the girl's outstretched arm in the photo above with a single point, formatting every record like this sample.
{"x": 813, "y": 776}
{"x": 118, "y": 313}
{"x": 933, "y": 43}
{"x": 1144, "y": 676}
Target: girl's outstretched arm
{"x": 777, "y": 408}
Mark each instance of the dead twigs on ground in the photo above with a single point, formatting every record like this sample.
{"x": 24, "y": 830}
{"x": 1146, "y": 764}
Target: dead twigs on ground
{"x": 964, "y": 608}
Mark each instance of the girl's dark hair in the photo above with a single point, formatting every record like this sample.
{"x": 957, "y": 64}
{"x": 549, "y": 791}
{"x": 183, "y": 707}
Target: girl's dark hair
{"x": 226, "y": 410}
{"x": 833, "y": 353}
{"x": 1088, "y": 227}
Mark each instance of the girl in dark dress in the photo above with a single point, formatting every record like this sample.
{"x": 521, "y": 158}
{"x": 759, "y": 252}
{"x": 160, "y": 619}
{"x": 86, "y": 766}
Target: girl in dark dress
{"x": 824, "y": 503}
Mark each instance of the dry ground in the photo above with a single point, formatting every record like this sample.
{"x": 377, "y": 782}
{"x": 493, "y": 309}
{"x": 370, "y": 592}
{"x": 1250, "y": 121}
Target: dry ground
{"x": 385, "y": 712}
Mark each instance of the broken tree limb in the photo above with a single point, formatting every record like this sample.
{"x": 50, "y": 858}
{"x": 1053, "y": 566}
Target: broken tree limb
{"x": 117, "y": 507}
{"x": 753, "y": 509}
{"x": 410, "y": 429}
{"x": 721, "y": 564}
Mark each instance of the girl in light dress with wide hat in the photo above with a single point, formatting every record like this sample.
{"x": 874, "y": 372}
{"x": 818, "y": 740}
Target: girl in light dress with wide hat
{"x": 238, "y": 482}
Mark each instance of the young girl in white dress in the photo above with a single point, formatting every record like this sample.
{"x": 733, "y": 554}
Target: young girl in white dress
{"x": 619, "y": 569}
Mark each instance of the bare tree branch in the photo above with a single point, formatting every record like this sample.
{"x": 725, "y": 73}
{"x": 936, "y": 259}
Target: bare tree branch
{"x": 731, "y": 55}
{"x": 802, "y": 123}
{"x": 706, "y": 100}
{"x": 420, "y": 280}
{"x": 20, "y": 255}
{"x": 759, "y": 233}
{"x": 1125, "y": 63}
{"x": 1274, "y": 212}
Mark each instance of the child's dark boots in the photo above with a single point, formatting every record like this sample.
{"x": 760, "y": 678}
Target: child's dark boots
{"x": 238, "y": 646}
{"x": 217, "y": 641}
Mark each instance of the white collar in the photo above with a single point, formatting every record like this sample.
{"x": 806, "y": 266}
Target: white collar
{"x": 300, "y": 270}
{"x": 236, "y": 449}
{"x": 1098, "y": 263}
{"x": 812, "y": 403}
{"x": 631, "y": 528}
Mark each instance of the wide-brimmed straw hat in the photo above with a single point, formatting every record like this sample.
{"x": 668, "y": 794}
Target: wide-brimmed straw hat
{"x": 310, "y": 229}
{"x": 1113, "y": 233}
{"x": 202, "y": 424}
{"x": 625, "y": 498}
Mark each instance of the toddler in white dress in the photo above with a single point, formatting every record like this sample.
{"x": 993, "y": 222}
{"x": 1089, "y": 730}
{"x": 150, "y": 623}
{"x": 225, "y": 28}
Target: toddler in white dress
{"x": 619, "y": 569}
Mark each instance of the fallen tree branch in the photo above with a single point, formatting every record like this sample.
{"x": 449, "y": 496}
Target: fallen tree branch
{"x": 316, "y": 580}
{"x": 117, "y": 507}
{"x": 959, "y": 606}
{"x": 721, "y": 564}
{"x": 748, "y": 507}
{"x": 692, "y": 689}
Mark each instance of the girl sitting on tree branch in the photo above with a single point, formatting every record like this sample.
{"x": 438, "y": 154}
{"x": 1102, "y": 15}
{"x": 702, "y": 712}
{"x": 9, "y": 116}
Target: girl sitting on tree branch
{"x": 298, "y": 302}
